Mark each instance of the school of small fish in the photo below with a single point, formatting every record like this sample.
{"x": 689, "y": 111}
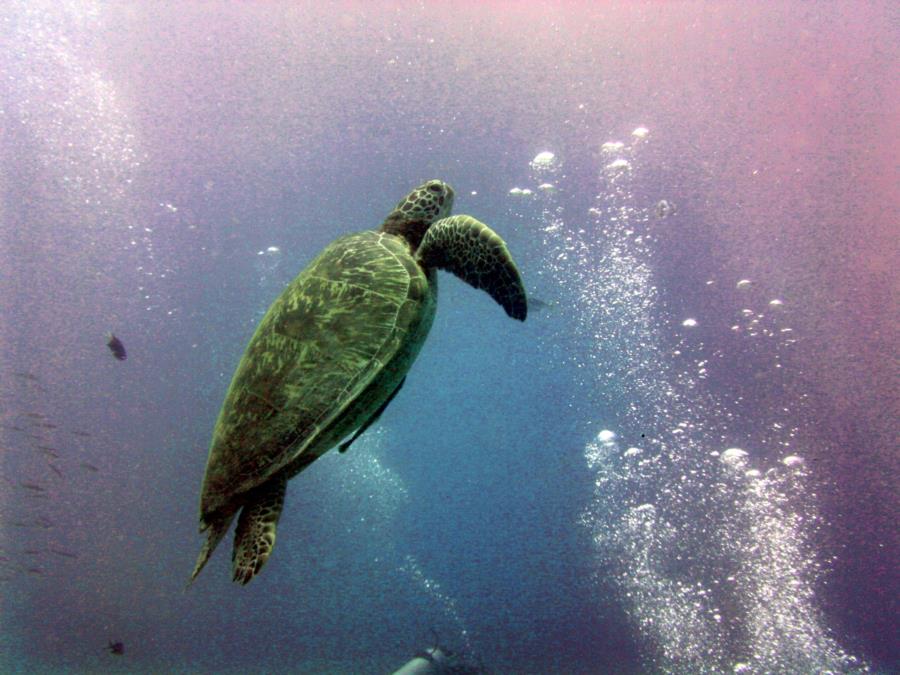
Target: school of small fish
{"x": 51, "y": 455}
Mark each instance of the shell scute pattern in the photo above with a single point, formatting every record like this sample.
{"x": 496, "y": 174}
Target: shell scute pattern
{"x": 319, "y": 343}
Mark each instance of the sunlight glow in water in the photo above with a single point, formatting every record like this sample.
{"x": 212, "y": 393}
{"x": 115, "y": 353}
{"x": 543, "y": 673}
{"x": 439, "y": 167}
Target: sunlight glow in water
{"x": 86, "y": 142}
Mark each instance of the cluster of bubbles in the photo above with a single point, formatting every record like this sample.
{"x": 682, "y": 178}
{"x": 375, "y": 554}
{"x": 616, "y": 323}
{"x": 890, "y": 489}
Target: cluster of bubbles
{"x": 86, "y": 145}
{"x": 543, "y": 161}
{"x": 441, "y": 602}
{"x": 378, "y": 494}
{"x": 710, "y": 549}
{"x": 267, "y": 267}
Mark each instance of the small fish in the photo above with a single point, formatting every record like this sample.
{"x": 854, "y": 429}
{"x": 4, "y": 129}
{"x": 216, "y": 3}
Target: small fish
{"x": 539, "y": 305}
{"x": 26, "y": 524}
{"x": 116, "y": 347}
{"x": 55, "y": 469}
{"x": 117, "y": 648}
{"x": 26, "y": 376}
{"x": 89, "y": 467}
{"x": 33, "y": 486}
{"x": 11, "y": 427}
{"x": 34, "y": 415}
{"x": 34, "y": 570}
{"x": 32, "y": 551}
{"x": 65, "y": 554}
{"x": 40, "y": 521}
{"x": 46, "y": 425}
{"x": 83, "y": 434}
{"x": 664, "y": 208}
{"x": 48, "y": 450}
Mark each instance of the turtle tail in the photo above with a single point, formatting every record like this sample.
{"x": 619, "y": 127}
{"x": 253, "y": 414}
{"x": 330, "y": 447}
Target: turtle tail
{"x": 215, "y": 529}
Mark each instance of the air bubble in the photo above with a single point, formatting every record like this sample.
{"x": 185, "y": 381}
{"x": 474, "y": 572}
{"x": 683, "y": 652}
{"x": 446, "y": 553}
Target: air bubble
{"x": 606, "y": 436}
{"x": 544, "y": 159}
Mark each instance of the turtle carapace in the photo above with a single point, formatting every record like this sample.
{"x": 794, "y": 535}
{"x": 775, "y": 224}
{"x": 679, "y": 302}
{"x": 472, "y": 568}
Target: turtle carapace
{"x": 330, "y": 354}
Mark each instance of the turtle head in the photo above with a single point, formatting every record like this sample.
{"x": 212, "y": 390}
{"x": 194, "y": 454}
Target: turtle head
{"x": 415, "y": 213}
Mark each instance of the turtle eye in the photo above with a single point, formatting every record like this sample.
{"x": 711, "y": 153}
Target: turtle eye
{"x": 435, "y": 188}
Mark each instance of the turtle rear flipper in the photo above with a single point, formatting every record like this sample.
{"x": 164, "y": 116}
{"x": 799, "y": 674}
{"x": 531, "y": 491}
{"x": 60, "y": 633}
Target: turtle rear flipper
{"x": 477, "y": 255}
{"x": 254, "y": 537}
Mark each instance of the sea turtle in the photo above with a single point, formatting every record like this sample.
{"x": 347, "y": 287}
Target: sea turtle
{"x": 331, "y": 353}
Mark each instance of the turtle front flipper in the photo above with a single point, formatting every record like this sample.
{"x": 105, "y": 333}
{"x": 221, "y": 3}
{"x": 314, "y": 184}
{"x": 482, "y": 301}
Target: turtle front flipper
{"x": 254, "y": 537}
{"x": 374, "y": 418}
{"x": 477, "y": 255}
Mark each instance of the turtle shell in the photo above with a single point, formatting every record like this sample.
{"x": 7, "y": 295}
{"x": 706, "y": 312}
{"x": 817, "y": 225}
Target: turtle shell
{"x": 329, "y": 351}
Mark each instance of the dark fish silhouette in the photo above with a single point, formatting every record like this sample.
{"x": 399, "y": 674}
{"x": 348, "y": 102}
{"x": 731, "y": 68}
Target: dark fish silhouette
{"x": 26, "y": 376}
{"x": 89, "y": 467}
{"x": 32, "y": 486}
{"x": 34, "y": 415}
{"x": 116, "y": 347}
{"x": 66, "y": 554}
{"x": 55, "y": 469}
{"x": 49, "y": 451}
{"x": 539, "y": 305}
{"x": 11, "y": 427}
{"x": 83, "y": 434}
{"x": 46, "y": 425}
{"x": 117, "y": 648}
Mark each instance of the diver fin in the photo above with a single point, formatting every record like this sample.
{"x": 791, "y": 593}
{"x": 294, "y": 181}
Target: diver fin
{"x": 477, "y": 255}
{"x": 374, "y": 418}
{"x": 254, "y": 537}
{"x": 215, "y": 531}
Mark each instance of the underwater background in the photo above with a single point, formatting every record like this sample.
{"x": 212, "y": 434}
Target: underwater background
{"x": 684, "y": 461}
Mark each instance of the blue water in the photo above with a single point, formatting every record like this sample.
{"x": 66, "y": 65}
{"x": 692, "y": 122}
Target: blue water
{"x": 684, "y": 461}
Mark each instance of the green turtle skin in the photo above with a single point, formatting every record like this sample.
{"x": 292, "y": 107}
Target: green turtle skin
{"x": 330, "y": 354}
